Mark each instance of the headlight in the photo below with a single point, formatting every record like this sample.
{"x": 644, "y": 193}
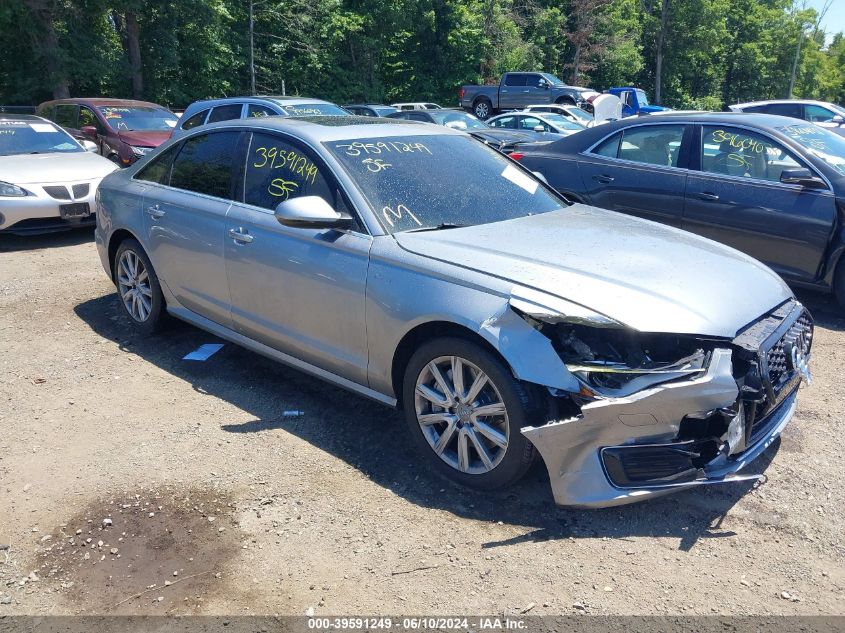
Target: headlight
{"x": 141, "y": 151}
{"x": 618, "y": 362}
{"x": 11, "y": 191}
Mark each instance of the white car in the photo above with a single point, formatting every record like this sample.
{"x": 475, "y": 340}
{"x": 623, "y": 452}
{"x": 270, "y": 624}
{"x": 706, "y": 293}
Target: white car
{"x": 537, "y": 122}
{"x": 571, "y": 112}
{"x": 416, "y": 105}
{"x": 48, "y": 180}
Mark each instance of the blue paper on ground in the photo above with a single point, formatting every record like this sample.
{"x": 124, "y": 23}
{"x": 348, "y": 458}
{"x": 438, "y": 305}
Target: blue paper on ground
{"x": 204, "y": 352}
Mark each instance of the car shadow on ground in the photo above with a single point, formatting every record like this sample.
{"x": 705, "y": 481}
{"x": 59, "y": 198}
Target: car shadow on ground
{"x": 827, "y": 313}
{"x": 372, "y": 438}
{"x": 10, "y": 243}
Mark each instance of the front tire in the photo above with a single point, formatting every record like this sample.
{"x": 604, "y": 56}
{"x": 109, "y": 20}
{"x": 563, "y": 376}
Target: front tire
{"x": 839, "y": 283}
{"x": 464, "y": 410}
{"x": 138, "y": 287}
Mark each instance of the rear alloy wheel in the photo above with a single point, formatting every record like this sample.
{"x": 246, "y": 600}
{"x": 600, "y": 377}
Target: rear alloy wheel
{"x": 467, "y": 410}
{"x": 482, "y": 109}
{"x": 138, "y": 286}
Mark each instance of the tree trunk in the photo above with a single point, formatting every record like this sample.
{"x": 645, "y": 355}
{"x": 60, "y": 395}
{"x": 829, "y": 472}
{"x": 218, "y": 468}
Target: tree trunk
{"x": 576, "y": 65}
{"x": 133, "y": 49}
{"x": 658, "y": 62}
{"x": 48, "y": 46}
{"x": 251, "y": 47}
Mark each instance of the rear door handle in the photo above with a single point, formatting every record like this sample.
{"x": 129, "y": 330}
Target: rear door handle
{"x": 603, "y": 178}
{"x": 240, "y": 235}
{"x": 706, "y": 195}
{"x": 155, "y": 212}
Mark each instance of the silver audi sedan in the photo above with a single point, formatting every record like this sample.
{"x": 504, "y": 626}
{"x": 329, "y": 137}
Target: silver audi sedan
{"x": 416, "y": 266}
{"x": 48, "y": 180}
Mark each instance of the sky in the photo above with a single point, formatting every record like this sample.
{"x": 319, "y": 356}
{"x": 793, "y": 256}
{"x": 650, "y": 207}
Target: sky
{"x": 834, "y": 19}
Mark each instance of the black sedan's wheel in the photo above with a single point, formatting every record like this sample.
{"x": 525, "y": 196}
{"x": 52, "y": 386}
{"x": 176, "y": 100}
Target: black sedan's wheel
{"x": 482, "y": 109}
{"x": 465, "y": 410}
{"x": 138, "y": 287}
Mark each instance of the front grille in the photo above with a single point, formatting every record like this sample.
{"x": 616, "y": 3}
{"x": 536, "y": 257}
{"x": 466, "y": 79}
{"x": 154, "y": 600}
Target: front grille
{"x": 59, "y": 192}
{"x": 780, "y": 372}
{"x": 80, "y": 190}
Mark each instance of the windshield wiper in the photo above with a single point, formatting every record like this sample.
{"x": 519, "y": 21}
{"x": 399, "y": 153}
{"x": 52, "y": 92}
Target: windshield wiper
{"x": 440, "y": 227}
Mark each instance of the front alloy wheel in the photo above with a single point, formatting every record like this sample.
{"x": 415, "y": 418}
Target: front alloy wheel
{"x": 462, "y": 415}
{"x": 464, "y": 409}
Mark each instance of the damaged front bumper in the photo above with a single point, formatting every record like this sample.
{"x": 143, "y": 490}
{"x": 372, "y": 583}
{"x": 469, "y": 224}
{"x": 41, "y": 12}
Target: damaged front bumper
{"x": 684, "y": 433}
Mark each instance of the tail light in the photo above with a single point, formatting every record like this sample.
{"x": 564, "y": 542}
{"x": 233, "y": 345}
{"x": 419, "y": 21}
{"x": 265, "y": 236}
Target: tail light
{"x": 461, "y": 93}
{"x": 516, "y": 155}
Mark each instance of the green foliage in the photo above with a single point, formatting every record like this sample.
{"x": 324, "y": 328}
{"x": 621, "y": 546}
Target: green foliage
{"x": 716, "y": 52}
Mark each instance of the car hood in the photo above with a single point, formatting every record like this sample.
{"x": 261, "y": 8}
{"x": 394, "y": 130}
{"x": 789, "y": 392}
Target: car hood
{"x": 144, "y": 139}
{"x": 642, "y": 274}
{"x": 21, "y": 169}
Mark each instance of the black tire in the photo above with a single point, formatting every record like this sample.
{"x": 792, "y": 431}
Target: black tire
{"x": 839, "y": 283}
{"x": 482, "y": 108}
{"x": 565, "y": 101}
{"x": 156, "y": 317}
{"x": 521, "y": 410}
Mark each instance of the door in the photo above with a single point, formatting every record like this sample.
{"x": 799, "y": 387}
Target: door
{"x": 510, "y": 91}
{"x": 185, "y": 221}
{"x": 298, "y": 290}
{"x": 87, "y": 118}
{"x": 639, "y": 171}
{"x": 737, "y": 198}
{"x": 537, "y": 90}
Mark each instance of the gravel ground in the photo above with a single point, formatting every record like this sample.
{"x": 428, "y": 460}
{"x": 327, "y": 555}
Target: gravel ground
{"x": 219, "y": 504}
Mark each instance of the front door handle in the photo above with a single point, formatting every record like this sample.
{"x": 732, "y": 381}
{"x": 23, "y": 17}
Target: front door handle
{"x": 240, "y": 235}
{"x": 155, "y": 212}
{"x": 603, "y": 178}
{"x": 706, "y": 195}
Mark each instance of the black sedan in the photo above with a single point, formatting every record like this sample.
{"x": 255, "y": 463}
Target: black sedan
{"x": 769, "y": 186}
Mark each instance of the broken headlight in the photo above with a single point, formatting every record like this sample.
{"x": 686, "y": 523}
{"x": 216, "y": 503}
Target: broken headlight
{"x": 618, "y": 361}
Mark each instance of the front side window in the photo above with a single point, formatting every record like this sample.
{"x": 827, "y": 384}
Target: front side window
{"x": 87, "y": 118}
{"x": 530, "y": 122}
{"x": 399, "y": 178}
{"x": 158, "y": 169}
{"x": 35, "y": 137}
{"x": 818, "y": 114}
{"x": 195, "y": 121}
{"x": 204, "y": 164}
{"x": 533, "y": 81}
{"x": 652, "y": 144}
{"x": 278, "y": 170}
{"x": 66, "y": 115}
{"x": 256, "y": 111}
{"x": 225, "y": 113}
{"x": 740, "y": 152}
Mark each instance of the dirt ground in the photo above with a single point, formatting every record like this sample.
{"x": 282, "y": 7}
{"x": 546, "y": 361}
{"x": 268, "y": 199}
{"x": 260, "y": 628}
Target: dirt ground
{"x": 132, "y": 481}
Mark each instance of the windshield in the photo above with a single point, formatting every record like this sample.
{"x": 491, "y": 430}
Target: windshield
{"x": 561, "y": 122}
{"x": 38, "y": 137}
{"x": 384, "y": 111}
{"x": 404, "y": 180}
{"x": 457, "y": 120}
{"x": 313, "y": 109}
{"x": 821, "y": 143}
{"x": 139, "y": 118}
{"x": 552, "y": 79}
{"x": 642, "y": 98}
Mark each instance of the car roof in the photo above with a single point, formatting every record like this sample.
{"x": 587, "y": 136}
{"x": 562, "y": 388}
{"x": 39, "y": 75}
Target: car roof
{"x": 278, "y": 100}
{"x": 320, "y": 129}
{"x": 6, "y": 116}
{"x": 366, "y": 105}
{"x": 102, "y": 101}
{"x": 751, "y": 104}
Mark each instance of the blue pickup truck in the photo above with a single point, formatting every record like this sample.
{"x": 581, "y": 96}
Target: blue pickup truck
{"x": 517, "y": 90}
{"x": 635, "y": 101}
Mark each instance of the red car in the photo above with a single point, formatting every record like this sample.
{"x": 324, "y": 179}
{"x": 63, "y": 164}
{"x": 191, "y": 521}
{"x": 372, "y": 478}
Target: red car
{"x": 123, "y": 129}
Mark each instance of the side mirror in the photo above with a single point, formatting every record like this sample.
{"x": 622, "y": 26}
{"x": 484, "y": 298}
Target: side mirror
{"x": 838, "y": 118}
{"x": 310, "y": 212}
{"x": 89, "y": 130}
{"x": 90, "y": 146}
{"x": 802, "y": 177}
{"x": 539, "y": 128}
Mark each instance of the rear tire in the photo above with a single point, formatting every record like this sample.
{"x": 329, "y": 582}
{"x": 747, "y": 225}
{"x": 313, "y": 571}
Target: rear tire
{"x": 473, "y": 436}
{"x": 138, "y": 288}
{"x": 482, "y": 108}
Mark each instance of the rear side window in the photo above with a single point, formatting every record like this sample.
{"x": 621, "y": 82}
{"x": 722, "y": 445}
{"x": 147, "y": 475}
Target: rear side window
{"x": 195, "y": 121}
{"x": 508, "y": 122}
{"x": 158, "y": 170}
{"x": 419, "y": 116}
{"x": 66, "y": 115}
{"x": 256, "y": 111}
{"x": 514, "y": 79}
{"x": 225, "y": 113}
{"x": 204, "y": 164}
{"x": 609, "y": 147}
{"x": 783, "y": 109}
{"x": 652, "y": 144}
